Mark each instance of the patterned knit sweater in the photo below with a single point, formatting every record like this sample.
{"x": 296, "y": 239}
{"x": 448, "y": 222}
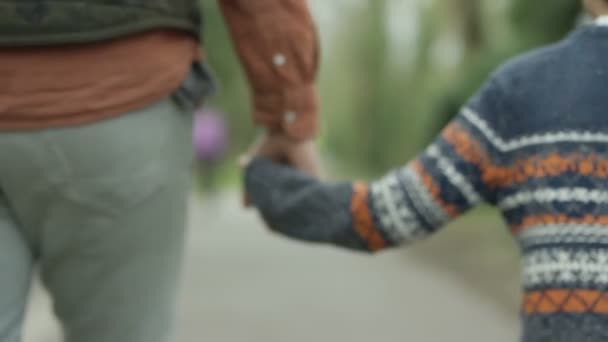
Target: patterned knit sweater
{"x": 534, "y": 143}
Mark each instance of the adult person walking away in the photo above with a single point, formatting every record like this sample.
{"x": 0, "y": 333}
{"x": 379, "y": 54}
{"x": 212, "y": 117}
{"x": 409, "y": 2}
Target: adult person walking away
{"x": 96, "y": 150}
{"x": 532, "y": 142}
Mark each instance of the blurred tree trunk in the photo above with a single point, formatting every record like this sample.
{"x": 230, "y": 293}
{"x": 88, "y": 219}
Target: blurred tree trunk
{"x": 429, "y": 22}
{"x": 372, "y": 57}
{"x": 472, "y": 23}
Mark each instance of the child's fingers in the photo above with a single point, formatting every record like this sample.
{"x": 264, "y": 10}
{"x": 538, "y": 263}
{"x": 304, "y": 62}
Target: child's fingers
{"x": 306, "y": 159}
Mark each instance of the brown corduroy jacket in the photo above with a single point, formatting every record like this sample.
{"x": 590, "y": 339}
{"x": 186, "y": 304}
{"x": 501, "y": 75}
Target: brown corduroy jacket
{"x": 277, "y": 43}
{"x": 275, "y": 40}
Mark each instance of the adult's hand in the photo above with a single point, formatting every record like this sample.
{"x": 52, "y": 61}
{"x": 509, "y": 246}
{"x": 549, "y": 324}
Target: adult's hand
{"x": 299, "y": 154}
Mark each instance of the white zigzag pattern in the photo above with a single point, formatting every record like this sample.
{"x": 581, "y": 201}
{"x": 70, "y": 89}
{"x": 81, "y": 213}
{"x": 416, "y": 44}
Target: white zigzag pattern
{"x": 550, "y": 266}
{"x": 533, "y": 140}
{"x": 563, "y": 233}
{"x": 454, "y": 176}
{"x": 554, "y": 195}
{"x": 393, "y": 211}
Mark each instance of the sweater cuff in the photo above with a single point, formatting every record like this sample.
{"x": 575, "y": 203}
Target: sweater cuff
{"x": 292, "y": 111}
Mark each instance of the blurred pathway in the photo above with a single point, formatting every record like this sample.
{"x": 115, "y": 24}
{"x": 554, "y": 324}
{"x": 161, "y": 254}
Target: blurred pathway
{"x": 243, "y": 284}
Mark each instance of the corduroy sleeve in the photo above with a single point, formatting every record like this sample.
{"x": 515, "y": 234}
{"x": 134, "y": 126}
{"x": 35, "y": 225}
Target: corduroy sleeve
{"x": 276, "y": 41}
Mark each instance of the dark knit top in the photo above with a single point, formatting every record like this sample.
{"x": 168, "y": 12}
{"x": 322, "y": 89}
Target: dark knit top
{"x": 532, "y": 142}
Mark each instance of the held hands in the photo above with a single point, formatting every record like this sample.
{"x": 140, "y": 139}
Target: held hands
{"x": 301, "y": 155}
{"x": 292, "y": 201}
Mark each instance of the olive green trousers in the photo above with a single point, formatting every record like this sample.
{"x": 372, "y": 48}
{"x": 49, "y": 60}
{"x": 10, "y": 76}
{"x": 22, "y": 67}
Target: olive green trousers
{"x": 100, "y": 210}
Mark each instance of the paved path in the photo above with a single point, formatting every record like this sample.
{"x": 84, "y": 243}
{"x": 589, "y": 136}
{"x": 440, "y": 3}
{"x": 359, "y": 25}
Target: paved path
{"x": 245, "y": 285}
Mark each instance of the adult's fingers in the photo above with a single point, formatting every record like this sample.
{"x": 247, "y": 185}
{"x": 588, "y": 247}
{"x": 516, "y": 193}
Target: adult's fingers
{"x": 305, "y": 158}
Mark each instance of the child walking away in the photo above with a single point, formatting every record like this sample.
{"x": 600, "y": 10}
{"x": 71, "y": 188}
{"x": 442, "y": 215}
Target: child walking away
{"x": 533, "y": 142}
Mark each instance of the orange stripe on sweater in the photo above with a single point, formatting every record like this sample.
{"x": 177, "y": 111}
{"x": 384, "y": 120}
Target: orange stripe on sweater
{"x": 522, "y": 170}
{"x": 362, "y": 218}
{"x": 434, "y": 190}
{"x": 543, "y": 220}
{"x": 471, "y": 151}
{"x": 566, "y": 301}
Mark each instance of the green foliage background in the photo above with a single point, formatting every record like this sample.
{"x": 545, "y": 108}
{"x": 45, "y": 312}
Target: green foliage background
{"x": 381, "y": 106}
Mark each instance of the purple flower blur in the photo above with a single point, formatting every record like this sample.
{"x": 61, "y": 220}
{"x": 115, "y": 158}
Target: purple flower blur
{"x": 210, "y": 135}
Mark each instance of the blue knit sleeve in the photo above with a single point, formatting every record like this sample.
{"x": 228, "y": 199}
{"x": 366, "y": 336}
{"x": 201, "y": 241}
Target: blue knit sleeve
{"x": 455, "y": 173}
{"x": 458, "y": 171}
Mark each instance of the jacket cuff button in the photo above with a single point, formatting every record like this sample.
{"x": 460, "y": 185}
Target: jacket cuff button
{"x": 290, "y": 117}
{"x": 279, "y": 59}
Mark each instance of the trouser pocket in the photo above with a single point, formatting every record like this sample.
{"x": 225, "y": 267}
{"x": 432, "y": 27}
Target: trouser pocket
{"x": 198, "y": 85}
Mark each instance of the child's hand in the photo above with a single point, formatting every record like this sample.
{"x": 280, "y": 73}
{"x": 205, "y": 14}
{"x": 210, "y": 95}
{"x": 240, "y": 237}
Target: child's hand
{"x": 295, "y": 204}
